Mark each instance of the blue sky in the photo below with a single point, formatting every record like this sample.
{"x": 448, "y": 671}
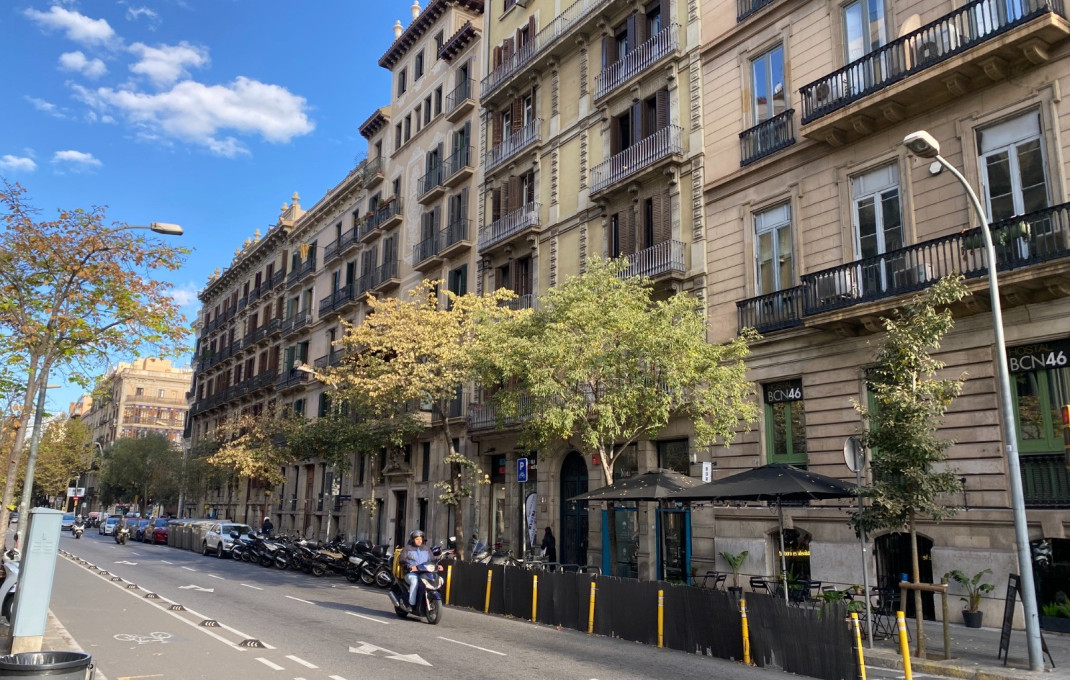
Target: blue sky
{"x": 206, "y": 113}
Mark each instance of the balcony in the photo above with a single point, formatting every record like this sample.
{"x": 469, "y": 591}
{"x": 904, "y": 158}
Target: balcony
{"x": 243, "y": 302}
{"x": 526, "y": 301}
{"x": 430, "y": 186}
{"x": 278, "y": 278}
{"x": 386, "y": 277}
{"x": 639, "y": 60}
{"x": 745, "y": 8}
{"x": 1045, "y": 480}
{"x": 373, "y": 172}
{"x": 659, "y": 260}
{"x": 330, "y": 251}
{"x": 326, "y": 304}
{"x": 425, "y": 254}
{"x": 274, "y": 326}
{"x": 852, "y": 293}
{"x": 288, "y": 380}
{"x": 766, "y": 138}
{"x": 343, "y": 296}
{"x": 350, "y": 240}
{"x": 485, "y": 417}
{"x": 293, "y": 324}
{"x": 306, "y": 269}
{"x": 528, "y": 135}
{"x": 455, "y": 238}
{"x": 389, "y": 213}
{"x": 367, "y": 228}
{"x": 645, "y": 154}
{"x": 570, "y": 20}
{"x": 458, "y": 167}
{"x": 958, "y": 53}
{"x": 254, "y": 294}
{"x": 508, "y": 226}
{"x": 457, "y": 407}
{"x": 460, "y": 101}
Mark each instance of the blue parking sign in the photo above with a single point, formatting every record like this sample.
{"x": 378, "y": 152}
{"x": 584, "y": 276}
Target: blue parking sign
{"x": 521, "y": 469}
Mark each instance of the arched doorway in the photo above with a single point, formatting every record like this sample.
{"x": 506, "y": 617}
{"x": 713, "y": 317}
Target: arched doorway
{"x": 573, "y": 513}
{"x": 894, "y": 559}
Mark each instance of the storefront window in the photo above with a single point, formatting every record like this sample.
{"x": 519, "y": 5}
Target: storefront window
{"x": 796, "y": 554}
{"x": 627, "y": 464}
{"x": 674, "y": 455}
{"x": 785, "y": 426}
{"x": 1041, "y": 385}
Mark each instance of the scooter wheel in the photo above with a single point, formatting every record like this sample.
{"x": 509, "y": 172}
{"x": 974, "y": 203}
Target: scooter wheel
{"x": 434, "y": 612}
{"x": 402, "y": 614}
{"x": 318, "y": 569}
{"x": 352, "y": 576}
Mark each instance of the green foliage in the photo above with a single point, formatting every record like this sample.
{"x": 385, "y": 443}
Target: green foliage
{"x": 735, "y": 563}
{"x": 974, "y": 586}
{"x": 65, "y": 451}
{"x": 337, "y": 436}
{"x": 1057, "y": 609}
{"x": 136, "y": 469}
{"x": 908, "y": 461}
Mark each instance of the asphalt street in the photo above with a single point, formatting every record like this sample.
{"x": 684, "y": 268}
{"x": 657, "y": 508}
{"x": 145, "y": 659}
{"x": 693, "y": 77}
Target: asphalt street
{"x": 158, "y": 612}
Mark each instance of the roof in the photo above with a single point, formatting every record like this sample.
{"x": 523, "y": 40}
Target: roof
{"x": 458, "y": 41}
{"x": 420, "y": 26}
{"x": 375, "y": 122}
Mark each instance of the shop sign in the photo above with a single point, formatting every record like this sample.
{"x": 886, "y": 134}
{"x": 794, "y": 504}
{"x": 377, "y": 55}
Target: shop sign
{"x": 784, "y": 390}
{"x": 1038, "y": 356}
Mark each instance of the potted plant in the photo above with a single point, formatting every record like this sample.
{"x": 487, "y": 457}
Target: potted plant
{"x": 735, "y": 562}
{"x": 975, "y": 587}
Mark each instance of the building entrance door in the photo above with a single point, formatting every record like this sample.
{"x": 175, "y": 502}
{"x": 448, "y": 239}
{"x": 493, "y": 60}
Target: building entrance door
{"x": 401, "y": 530}
{"x": 894, "y": 560}
{"x": 573, "y": 513}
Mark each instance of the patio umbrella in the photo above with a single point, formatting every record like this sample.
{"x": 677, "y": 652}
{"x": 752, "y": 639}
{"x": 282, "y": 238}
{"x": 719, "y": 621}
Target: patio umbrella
{"x": 774, "y": 482}
{"x": 649, "y": 486}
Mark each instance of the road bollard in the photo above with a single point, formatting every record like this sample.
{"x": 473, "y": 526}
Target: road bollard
{"x": 590, "y": 613}
{"x": 904, "y": 644}
{"x": 858, "y": 643}
{"x": 661, "y": 619}
{"x": 486, "y": 604}
{"x": 449, "y": 581}
{"x": 746, "y": 631}
{"x": 534, "y": 596}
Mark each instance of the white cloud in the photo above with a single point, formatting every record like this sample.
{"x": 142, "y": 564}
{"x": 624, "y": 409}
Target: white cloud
{"x": 45, "y": 107}
{"x": 199, "y": 113}
{"x": 79, "y": 63}
{"x": 135, "y": 13}
{"x": 165, "y": 64}
{"x": 17, "y": 163}
{"x": 76, "y": 27}
{"x": 185, "y": 295}
{"x": 77, "y": 161}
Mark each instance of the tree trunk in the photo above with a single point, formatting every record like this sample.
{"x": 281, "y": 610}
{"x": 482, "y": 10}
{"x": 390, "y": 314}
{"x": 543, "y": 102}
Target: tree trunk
{"x": 20, "y": 440}
{"x": 456, "y": 479}
{"x": 611, "y": 513}
{"x": 919, "y": 629}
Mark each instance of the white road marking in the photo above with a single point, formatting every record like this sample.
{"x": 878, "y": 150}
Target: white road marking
{"x": 336, "y": 677}
{"x": 482, "y": 649}
{"x": 361, "y": 616}
{"x": 370, "y": 650}
{"x": 189, "y": 568}
{"x": 132, "y": 564}
{"x": 299, "y": 599}
{"x": 203, "y": 590}
{"x": 301, "y": 661}
{"x": 166, "y": 562}
{"x": 218, "y": 577}
{"x": 249, "y": 586}
{"x": 272, "y": 666}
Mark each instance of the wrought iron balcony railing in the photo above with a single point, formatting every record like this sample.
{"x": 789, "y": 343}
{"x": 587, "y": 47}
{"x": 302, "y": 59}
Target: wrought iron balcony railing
{"x": 664, "y": 43}
{"x": 430, "y": 180}
{"x": 637, "y": 157}
{"x": 766, "y": 138}
{"x": 390, "y": 209}
{"x": 1046, "y": 480}
{"x": 425, "y": 249}
{"x": 459, "y": 159}
{"x": 514, "y": 144}
{"x": 455, "y": 232}
{"x": 935, "y": 42}
{"x": 660, "y": 258}
{"x": 459, "y": 95}
{"x": 509, "y": 225}
{"x": 526, "y": 301}
{"x": 387, "y": 271}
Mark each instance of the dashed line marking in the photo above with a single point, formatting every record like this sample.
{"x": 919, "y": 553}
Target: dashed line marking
{"x": 269, "y": 664}
{"x": 189, "y": 568}
{"x": 166, "y": 562}
{"x": 249, "y": 586}
{"x": 369, "y": 618}
{"x": 336, "y": 677}
{"x": 482, "y": 649}
{"x": 300, "y": 600}
{"x": 301, "y": 661}
{"x": 218, "y": 577}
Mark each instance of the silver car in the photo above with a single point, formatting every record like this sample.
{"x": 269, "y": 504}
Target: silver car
{"x": 108, "y": 527}
{"x": 67, "y": 523}
{"x": 217, "y": 538}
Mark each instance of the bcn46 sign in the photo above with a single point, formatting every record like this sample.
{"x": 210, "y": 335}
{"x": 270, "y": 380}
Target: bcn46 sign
{"x": 1039, "y": 356}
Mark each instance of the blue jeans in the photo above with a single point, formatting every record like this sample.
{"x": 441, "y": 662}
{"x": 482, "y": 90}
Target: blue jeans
{"x": 412, "y": 578}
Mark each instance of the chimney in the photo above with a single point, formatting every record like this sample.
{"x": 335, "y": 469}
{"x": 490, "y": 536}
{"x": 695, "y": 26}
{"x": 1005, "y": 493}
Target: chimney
{"x": 415, "y": 9}
{"x": 398, "y": 30}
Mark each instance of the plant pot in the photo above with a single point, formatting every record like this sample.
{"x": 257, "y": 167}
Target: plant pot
{"x": 1055, "y": 624}
{"x": 736, "y": 592}
{"x": 972, "y": 619}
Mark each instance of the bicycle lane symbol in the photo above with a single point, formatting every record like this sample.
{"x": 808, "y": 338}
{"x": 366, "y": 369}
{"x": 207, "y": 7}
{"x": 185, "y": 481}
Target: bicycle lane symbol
{"x": 143, "y": 639}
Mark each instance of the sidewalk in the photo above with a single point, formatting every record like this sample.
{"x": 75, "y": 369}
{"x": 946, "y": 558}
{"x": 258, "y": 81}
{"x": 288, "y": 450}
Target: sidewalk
{"x": 973, "y": 654}
{"x": 57, "y": 639}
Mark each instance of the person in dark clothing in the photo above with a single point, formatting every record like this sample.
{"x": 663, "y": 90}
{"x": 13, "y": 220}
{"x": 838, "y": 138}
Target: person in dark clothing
{"x": 267, "y": 527}
{"x": 549, "y": 545}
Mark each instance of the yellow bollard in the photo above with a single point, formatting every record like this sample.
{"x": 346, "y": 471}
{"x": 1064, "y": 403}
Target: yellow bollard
{"x": 746, "y": 631}
{"x": 904, "y": 644}
{"x": 858, "y": 643}
{"x": 486, "y": 605}
{"x": 449, "y": 581}
{"x": 661, "y": 619}
{"x": 590, "y": 614}
{"x": 534, "y": 596}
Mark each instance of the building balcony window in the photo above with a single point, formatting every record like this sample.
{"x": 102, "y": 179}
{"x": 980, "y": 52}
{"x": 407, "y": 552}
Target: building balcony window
{"x": 456, "y": 237}
{"x": 460, "y": 101}
{"x": 509, "y": 225}
{"x": 373, "y": 172}
{"x": 278, "y": 278}
{"x": 885, "y": 85}
{"x": 766, "y": 138}
{"x": 254, "y": 294}
{"x": 389, "y": 213}
{"x": 745, "y": 8}
{"x": 305, "y": 269}
{"x": 642, "y": 58}
{"x": 526, "y": 136}
{"x": 350, "y": 240}
{"x": 458, "y": 167}
{"x": 330, "y": 251}
{"x": 424, "y": 253}
{"x": 638, "y": 157}
{"x": 1022, "y": 241}
{"x": 660, "y": 259}
{"x": 243, "y": 302}
{"x": 431, "y": 185}
{"x": 366, "y": 227}
{"x": 485, "y": 417}
{"x": 386, "y": 276}
{"x": 526, "y": 301}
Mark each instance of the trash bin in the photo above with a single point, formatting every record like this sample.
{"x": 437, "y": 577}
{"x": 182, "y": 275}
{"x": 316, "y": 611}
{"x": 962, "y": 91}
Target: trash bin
{"x": 51, "y": 665}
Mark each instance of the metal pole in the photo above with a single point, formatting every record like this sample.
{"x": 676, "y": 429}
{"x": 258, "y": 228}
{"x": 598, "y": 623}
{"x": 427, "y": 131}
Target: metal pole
{"x": 35, "y": 442}
{"x": 182, "y": 487}
{"x": 865, "y": 565}
{"x": 1021, "y": 528}
{"x": 783, "y": 559}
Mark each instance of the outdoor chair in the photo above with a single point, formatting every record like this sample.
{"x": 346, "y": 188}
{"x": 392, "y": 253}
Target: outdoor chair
{"x": 885, "y": 602}
{"x": 758, "y": 584}
{"x": 714, "y": 580}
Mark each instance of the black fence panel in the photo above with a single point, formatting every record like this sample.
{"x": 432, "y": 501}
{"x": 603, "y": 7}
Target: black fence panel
{"x": 565, "y": 599}
{"x": 468, "y": 585}
{"x": 701, "y": 621}
{"x": 807, "y": 641}
{"x": 627, "y": 609}
{"x": 516, "y": 593}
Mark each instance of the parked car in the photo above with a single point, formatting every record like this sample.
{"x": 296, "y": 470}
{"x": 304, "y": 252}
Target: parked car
{"x": 67, "y": 522}
{"x": 14, "y": 517}
{"x": 138, "y": 528}
{"x": 107, "y": 527}
{"x": 157, "y": 532}
{"x": 217, "y": 538}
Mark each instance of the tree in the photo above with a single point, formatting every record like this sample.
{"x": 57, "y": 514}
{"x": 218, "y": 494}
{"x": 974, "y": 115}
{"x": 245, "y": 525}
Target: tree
{"x": 73, "y": 292}
{"x": 66, "y": 451}
{"x": 417, "y": 351}
{"x": 910, "y": 475}
{"x": 602, "y": 364}
{"x": 138, "y": 469}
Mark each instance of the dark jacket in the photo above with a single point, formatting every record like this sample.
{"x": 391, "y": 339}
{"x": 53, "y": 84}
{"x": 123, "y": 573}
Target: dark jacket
{"x": 549, "y": 545}
{"x": 267, "y": 527}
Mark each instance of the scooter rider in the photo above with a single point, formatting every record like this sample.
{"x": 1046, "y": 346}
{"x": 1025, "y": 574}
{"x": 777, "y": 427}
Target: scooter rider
{"x": 412, "y": 557}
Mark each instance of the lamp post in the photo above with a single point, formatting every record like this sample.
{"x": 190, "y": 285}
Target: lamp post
{"x": 924, "y": 145}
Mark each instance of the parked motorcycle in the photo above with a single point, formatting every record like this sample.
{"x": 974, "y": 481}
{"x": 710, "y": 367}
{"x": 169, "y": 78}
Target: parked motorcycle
{"x": 12, "y": 559}
{"x": 429, "y": 583}
{"x": 122, "y": 534}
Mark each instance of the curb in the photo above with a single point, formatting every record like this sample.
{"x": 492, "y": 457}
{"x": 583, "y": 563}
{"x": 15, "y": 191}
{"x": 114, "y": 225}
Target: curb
{"x": 55, "y": 629}
{"x": 947, "y": 669}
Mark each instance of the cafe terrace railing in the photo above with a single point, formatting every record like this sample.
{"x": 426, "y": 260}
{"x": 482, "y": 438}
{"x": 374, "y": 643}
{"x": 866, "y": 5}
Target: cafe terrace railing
{"x": 955, "y": 32}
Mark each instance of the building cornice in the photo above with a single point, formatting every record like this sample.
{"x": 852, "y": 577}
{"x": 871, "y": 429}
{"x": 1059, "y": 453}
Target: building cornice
{"x": 456, "y": 43}
{"x": 375, "y": 122}
{"x": 420, "y": 25}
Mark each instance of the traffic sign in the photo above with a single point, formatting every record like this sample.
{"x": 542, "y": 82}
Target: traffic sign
{"x": 521, "y": 469}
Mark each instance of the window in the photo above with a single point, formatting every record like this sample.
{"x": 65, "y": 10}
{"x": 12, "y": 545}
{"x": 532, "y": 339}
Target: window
{"x": 324, "y": 405}
{"x": 139, "y": 391}
{"x": 772, "y": 242}
{"x": 418, "y": 66}
{"x": 397, "y": 136}
{"x": 767, "y": 85}
{"x": 1012, "y": 167}
{"x": 785, "y": 427}
{"x": 457, "y": 282}
{"x": 161, "y": 393}
{"x": 299, "y": 407}
{"x": 878, "y": 227}
{"x": 674, "y": 455}
{"x": 416, "y": 115}
{"x": 1041, "y": 387}
{"x": 439, "y": 42}
{"x": 427, "y": 110}
{"x": 408, "y": 127}
{"x": 641, "y": 120}
{"x": 864, "y": 28}
{"x": 438, "y": 100}
{"x": 401, "y": 82}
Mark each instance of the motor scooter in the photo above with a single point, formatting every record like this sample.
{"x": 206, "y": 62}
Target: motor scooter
{"x": 77, "y": 530}
{"x": 122, "y": 534}
{"x": 429, "y": 583}
{"x": 12, "y": 559}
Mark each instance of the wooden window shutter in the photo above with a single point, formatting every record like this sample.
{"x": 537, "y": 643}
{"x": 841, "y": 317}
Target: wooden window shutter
{"x": 436, "y": 218}
{"x": 642, "y": 29}
{"x": 517, "y": 114}
{"x": 609, "y": 51}
{"x": 661, "y": 106}
{"x": 531, "y": 29}
{"x": 633, "y": 32}
{"x": 637, "y": 122}
{"x": 495, "y": 204}
{"x": 462, "y": 209}
{"x": 496, "y": 57}
{"x": 627, "y": 238}
{"x": 614, "y": 137}
{"x": 662, "y": 216}
{"x": 516, "y": 195}
{"x": 507, "y": 49}
{"x": 506, "y": 202}
{"x": 664, "y": 14}
{"x": 495, "y": 130}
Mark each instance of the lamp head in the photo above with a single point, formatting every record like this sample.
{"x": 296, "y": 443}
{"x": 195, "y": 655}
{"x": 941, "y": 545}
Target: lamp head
{"x": 166, "y": 228}
{"x": 922, "y": 144}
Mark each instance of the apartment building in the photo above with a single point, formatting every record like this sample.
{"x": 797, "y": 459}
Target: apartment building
{"x": 591, "y": 128}
{"x": 403, "y": 215}
{"x": 820, "y": 223}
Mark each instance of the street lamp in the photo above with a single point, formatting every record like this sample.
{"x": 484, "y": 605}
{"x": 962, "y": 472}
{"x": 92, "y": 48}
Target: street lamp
{"x": 924, "y": 145}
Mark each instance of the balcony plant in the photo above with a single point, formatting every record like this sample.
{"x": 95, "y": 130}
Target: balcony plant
{"x": 1000, "y": 237}
{"x": 975, "y": 587}
{"x": 735, "y": 562}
